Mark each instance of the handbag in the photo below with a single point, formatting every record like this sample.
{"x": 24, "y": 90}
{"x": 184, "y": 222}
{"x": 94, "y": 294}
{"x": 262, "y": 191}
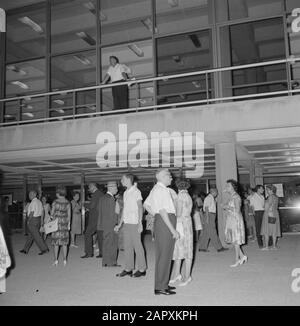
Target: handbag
{"x": 271, "y": 220}
{"x": 51, "y": 226}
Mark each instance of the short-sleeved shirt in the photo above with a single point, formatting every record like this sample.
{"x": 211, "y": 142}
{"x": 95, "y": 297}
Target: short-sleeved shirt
{"x": 161, "y": 197}
{"x": 257, "y": 201}
{"x": 36, "y": 207}
{"x": 210, "y": 203}
{"x": 115, "y": 72}
{"x": 130, "y": 209}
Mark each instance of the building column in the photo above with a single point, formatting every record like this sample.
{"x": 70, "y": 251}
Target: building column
{"x": 39, "y": 187}
{"x": 25, "y": 190}
{"x": 226, "y": 168}
{"x": 256, "y": 174}
{"x": 2, "y": 60}
{"x": 82, "y": 198}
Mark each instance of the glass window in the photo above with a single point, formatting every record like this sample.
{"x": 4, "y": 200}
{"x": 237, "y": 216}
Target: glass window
{"x": 26, "y": 34}
{"x": 138, "y": 57}
{"x": 181, "y": 15}
{"x": 73, "y": 70}
{"x": 237, "y": 9}
{"x": 25, "y": 78}
{"x": 125, "y": 20}
{"x": 250, "y": 43}
{"x": 73, "y": 25}
{"x": 182, "y": 54}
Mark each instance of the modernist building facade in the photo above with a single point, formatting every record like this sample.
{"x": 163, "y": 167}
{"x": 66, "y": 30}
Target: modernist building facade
{"x": 227, "y": 68}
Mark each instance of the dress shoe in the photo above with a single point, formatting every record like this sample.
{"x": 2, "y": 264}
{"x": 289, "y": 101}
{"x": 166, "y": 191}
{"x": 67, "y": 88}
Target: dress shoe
{"x": 204, "y": 250}
{"x": 164, "y": 292}
{"x": 186, "y": 282}
{"x": 222, "y": 249}
{"x": 43, "y": 252}
{"x": 24, "y": 252}
{"x": 114, "y": 265}
{"x": 139, "y": 274}
{"x": 243, "y": 260}
{"x": 99, "y": 256}
{"x": 171, "y": 287}
{"x": 86, "y": 256}
{"x": 175, "y": 279}
{"x": 124, "y": 273}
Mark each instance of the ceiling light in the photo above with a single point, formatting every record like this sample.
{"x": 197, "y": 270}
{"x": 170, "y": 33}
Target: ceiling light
{"x": 194, "y": 38}
{"x": 196, "y": 84}
{"x": 91, "y": 7}
{"x": 173, "y": 3}
{"x": 60, "y": 111}
{"x": 135, "y": 49}
{"x": 27, "y": 21}
{"x": 150, "y": 89}
{"x": 148, "y": 23}
{"x": 59, "y": 102}
{"x": 20, "y": 84}
{"x": 17, "y": 70}
{"x": 26, "y": 106}
{"x": 84, "y": 60}
{"x": 183, "y": 96}
{"x": 28, "y": 114}
{"x": 142, "y": 101}
{"x": 91, "y": 107}
{"x": 176, "y": 58}
{"x": 86, "y": 37}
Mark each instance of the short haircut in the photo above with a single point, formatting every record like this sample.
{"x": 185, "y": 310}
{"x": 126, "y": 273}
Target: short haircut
{"x": 257, "y": 187}
{"x": 161, "y": 170}
{"x": 131, "y": 177}
{"x": 234, "y": 184}
{"x": 114, "y": 57}
{"x": 75, "y": 192}
{"x": 183, "y": 184}
{"x": 61, "y": 190}
{"x": 272, "y": 188}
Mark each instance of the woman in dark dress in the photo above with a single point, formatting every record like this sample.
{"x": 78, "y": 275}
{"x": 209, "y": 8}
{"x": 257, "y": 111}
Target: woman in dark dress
{"x": 61, "y": 210}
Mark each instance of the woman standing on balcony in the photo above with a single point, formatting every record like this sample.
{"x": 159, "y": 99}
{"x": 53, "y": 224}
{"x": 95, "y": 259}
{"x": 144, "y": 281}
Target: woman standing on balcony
{"x": 118, "y": 73}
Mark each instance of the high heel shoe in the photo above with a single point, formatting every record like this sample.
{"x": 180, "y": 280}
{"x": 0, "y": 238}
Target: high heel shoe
{"x": 243, "y": 260}
{"x": 65, "y": 263}
{"x": 177, "y": 278}
{"x": 186, "y": 282}
{"x": 237, "y": 263}
{"x": 55, "y": 263}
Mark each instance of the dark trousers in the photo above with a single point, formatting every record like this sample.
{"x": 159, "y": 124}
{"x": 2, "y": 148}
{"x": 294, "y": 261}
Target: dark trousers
{"x": 110, "y": 248}
{"x": 88, "y": 238}
{"x": 164, "y": 248}
{"x": 100, "y": 241}
{"x": 258, "y": 217}
{"x": 120, "y": 96}
{"x": 34, "y": 224}
{"x": 209, "y": 232}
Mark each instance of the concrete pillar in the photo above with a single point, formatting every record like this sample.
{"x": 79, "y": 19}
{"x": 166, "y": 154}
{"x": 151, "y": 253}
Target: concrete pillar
{"x": 39, "y": 187}
{"x": 256, "y": 174}
{"x": 226, "y": 168}
{"x": 25, "y": 190}
{"x": 82, "y": 198}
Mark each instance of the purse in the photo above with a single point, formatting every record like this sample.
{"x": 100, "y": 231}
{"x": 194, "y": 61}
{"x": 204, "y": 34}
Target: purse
{"x": 271, "y": 220}
{"x": 51, "y": 226}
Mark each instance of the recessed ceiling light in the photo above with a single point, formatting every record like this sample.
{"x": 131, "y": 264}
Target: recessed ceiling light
{"x": 84, "y": 60}
{"x": 86, "y": 37}
{"x": 29, "y": 22}
{"x": 91, "y": 7}
{"x": 173, "y": 3}
{"x": 16, "y": 70}
{"x": 135, "y": 49}
{"x": 147, "y": 22}
{"x": 60, "y": 102}
{"x": 60, "y": 111}
{"x": 150, "y": 89}
{"x": 196, "y": 84}
{"x": 20, "y": 84}
{"x": 28, "y": 114}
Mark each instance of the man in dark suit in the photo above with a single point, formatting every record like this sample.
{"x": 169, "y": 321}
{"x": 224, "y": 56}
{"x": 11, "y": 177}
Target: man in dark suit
{"x": 108, "y": 219}
{"x": 92, "y": 223}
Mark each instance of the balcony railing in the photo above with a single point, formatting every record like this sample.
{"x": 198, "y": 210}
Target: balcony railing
{"x": 207, "y": 75}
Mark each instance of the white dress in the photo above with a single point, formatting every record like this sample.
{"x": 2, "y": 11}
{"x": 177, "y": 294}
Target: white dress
{"x": 5, "y": 261}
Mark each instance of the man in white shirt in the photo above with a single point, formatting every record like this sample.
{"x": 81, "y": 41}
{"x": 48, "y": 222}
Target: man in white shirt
{"x": 209, "y": 232}
{"x": 35, "y": 213}
{"x": 160, "y": 204}
{"x": 257, "y": 202}
{"x": 132, "y": 218}
{"x": 118, "y": 73}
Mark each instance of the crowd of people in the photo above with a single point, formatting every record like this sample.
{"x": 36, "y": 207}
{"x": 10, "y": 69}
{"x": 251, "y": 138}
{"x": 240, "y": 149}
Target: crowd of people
{"x": 179, "y": 223}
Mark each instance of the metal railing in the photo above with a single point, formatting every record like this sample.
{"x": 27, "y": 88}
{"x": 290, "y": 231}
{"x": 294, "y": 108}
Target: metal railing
{"x": 210, "y": 72}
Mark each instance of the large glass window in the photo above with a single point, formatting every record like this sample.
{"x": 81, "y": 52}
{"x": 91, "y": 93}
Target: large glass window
{"x": 182, "y": 54}
{"x": 181, "y": 15}
{"x": 252, "y": 43}
{"x": 26, "y": 34}
{"x": 138, "y": 57}
{"x": 73, "y": 25}
{"x": 239, "y": 9}
{"x": 125, "y": 20}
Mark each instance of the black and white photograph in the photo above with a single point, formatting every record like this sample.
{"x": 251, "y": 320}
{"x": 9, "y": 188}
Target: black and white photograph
{"x": 149, "y": 155}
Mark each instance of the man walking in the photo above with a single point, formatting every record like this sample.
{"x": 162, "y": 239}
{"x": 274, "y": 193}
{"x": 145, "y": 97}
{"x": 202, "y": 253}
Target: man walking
{"x": 108, "y": 219}
{"x": 92, "y": 223}
{"x": 160, "y": 204}
{"x": 35, "y": 213}
{"x": 257, "y": 202}
{"x": 132, "y": 217}
{"x": 209, "y": 232}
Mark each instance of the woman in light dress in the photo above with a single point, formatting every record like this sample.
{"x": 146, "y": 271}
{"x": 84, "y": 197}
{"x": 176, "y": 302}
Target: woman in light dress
{"x": 270, "y": 226}
{"x": 234, "y": 227}
{"x": 183, "y": 249}
{"x": 76, "y": 226}
{"x": 197, "y": 215}
{"x": 5, "y": 261}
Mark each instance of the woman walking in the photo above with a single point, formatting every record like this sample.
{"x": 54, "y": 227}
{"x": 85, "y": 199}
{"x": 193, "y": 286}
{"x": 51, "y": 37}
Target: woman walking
{"x": 61, "y": 210}
{"x": 234, "y": 227}
{"x": 46, "y": 217}
{"x": 271, "y": 224}
{"x": 184, "y": 245}
{"x": 76, "y": 218}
